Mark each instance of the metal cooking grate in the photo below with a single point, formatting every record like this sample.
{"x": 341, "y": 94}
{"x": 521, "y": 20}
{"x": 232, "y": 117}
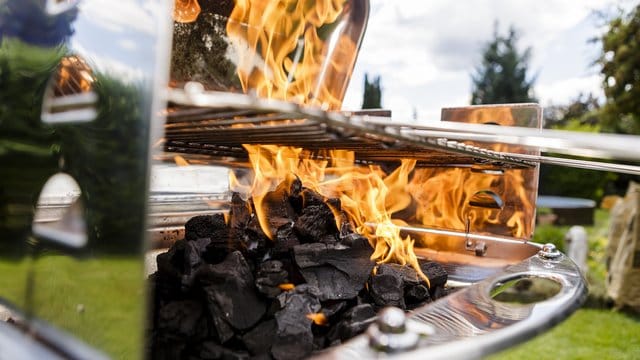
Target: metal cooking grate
{"x": 214, "y": 125}
{"x": 210, "y": 127}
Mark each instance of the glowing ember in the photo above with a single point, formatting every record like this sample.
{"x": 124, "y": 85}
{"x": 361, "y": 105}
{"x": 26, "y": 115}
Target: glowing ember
{"x": 186, "y": 11}
{"x": 286, "y": 286}
{"x": 318, "y": 318}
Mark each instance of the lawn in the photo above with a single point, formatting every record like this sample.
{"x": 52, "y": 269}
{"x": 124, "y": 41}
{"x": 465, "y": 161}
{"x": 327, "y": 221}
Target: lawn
{"x": 99, "y": 300}
{"x": 588, "y": 334}
{"x": 594, "y": 332}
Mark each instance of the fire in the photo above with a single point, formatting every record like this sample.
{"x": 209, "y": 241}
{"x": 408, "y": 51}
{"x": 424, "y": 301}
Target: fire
{"x": 451, "y": 209}
{"x": 283, "y": 54}
{"x": 180, "y": 161}
{"x": 186, "y": 11}
{"x": 318, "y": 318}
{"x": 286, "y": 286}
{"x": 367, "y": 195}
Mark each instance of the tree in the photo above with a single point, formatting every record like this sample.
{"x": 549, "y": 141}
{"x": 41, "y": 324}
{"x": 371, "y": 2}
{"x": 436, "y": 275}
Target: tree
{"x": 582, "y": 114}
{"x": 372, "y": 98}
{"x": 620, "y": 67}
{"x": 502, "y": 77}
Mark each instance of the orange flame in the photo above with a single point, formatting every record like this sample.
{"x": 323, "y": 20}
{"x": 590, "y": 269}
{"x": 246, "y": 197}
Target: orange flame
{"x": 180, "y": 161}
{"x": 186, "y": 11}
{"x": 367, "y": 195}
{"x": 286, "y": 286}
{"x": 283, "y": 53}
{"x": 451, "y": 209}
{"x": 318, "y": 318}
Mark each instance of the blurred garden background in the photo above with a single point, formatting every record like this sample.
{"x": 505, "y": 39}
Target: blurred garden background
{"x": 603, "y": 328}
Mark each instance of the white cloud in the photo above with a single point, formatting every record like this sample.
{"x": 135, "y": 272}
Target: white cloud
{"x": 566, "y": 90}
{"x": 119, "y": 15}
{"x": 425, "y": 51}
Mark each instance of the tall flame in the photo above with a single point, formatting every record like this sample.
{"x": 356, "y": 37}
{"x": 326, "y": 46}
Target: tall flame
{"x": 367, "y": 194}
{"x": 282, "y": 50}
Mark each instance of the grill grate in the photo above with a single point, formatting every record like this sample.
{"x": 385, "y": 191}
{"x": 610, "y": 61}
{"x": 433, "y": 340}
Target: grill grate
{"x": 216, "y": 124}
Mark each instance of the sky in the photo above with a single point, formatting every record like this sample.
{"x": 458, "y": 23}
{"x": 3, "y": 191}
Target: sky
{"x": 426, "y": 51}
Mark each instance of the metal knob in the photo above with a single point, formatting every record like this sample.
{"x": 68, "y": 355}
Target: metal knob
{"x": 389, "y": 333}
{"x": 549, "y": 251}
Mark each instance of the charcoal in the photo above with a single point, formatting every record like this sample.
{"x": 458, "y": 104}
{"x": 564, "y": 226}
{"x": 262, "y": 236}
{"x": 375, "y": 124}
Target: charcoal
{"x": 271, "y": 274}
{"x": 405, "y": 272}
{"x": 354, "y": 322}
{"x": 171, "y": 263}
{"x": 332, "y": 308}
{"x": 239, "y": 216}
{"x": 295, "y": 195}
{"x": 340, "y": 272}
{"x": 183, "y": 319}
{"x": 223, "y": 331}
{"x": 206, "y": 226}
{"x": 280, "y": 210}
{"x": 387, "y": 289}
{"x": 351, "y": 239}
{"x": 311, "y": 198}
{"x": 259, "y": 339}
{"x": 286, "y": 239}
{"x": 439, "y": 292}
{"x": 254, "y": 241}
{"x": 302, "y": 289}
{"x": 210, "y": 350}
{"x": 316, "y": 223}
{"x": 294, "y": 337}
{"x": 435, "y": 272}
{"x": 230, "y": 292}
{"x": 168, "y": 349}
{"x": 333, "y": 283}
{"x": 193, "y": 251}
{"x": 417, "y": 294}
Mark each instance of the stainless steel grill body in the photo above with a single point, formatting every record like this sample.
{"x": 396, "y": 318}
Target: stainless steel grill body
{"x": 78, "y": 99}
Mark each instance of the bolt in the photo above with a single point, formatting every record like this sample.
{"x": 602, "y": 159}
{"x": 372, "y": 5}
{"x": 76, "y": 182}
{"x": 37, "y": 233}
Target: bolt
{"x": 481, "y": 248}
{"x": 549, "y": 251}
{"x": 389, "y": 333}
{"x": 392, "y": 321}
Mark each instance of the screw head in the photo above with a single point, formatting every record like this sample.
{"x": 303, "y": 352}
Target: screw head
{"x": 389, "y": 333}
{"x": 392, "y": 320}
{"x": 549, "y": 251}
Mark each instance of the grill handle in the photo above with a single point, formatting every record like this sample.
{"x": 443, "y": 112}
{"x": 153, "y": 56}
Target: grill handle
{"x": 471, "y": 323}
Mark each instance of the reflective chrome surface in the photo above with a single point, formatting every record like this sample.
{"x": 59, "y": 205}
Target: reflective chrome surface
{"x": 470, "y": 324}
{"x": 78, "y": 96}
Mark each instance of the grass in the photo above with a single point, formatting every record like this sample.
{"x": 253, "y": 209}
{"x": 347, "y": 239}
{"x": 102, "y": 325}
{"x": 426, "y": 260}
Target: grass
{"x": 588, "y": 334}
{"x": 98, "y": 300}
{"x": 591, "y": 333}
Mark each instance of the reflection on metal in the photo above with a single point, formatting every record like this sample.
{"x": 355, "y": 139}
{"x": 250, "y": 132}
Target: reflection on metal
{"x": 189, "y": 130}
{"x": 486, "y": 199}
{"x": 470, "y": 324}
{"x": 70, "y": 97}
{"x": 549, "y": 251}
{"x": 69, "y": 229}
{"x": 391, "y": 333}
{"x": 525, "y": 289}
{"x": 56, "y": 7}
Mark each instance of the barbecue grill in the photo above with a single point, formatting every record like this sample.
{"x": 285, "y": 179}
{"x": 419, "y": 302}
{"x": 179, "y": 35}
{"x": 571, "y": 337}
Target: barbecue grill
{"x": 85, "y": 100}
